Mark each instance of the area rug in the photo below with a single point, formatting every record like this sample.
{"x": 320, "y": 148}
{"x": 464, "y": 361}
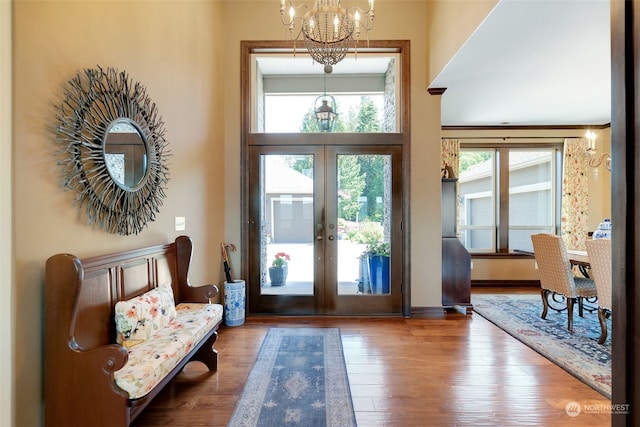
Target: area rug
{"x": 299, "y": 379}
{"x": 577, "y": 353}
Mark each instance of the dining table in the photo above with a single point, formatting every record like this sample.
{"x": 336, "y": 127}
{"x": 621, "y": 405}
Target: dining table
{"x": 580, "y": 259}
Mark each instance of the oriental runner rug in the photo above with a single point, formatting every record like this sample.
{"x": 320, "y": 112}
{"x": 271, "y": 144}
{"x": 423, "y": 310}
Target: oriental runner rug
{"x": 577, "y": 353}
{"x": 299, "y": 379}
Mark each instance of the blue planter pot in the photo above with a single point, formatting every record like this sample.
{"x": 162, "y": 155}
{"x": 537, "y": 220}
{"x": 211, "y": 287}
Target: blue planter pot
{"x": 278, "y": 275}
{"x": 379, "y": 277}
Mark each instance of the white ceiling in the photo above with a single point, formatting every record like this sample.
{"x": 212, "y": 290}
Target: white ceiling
{"x": 532, "y": 63}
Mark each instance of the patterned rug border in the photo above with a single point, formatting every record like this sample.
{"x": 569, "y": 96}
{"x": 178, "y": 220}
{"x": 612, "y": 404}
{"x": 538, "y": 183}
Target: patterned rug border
{"x": 592, "y": 372}
{"x": 339, "y": 404}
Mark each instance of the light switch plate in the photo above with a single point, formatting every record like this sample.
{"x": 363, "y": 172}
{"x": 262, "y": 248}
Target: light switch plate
{"x": 180, "y": 223}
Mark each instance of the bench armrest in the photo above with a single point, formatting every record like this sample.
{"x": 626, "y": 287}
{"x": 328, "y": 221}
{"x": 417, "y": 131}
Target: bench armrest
{"x": 198, "y": 294}
{"x": 186, "y": 292}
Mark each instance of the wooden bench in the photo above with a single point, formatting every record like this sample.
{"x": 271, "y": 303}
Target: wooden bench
{"x": 81, "y": 353}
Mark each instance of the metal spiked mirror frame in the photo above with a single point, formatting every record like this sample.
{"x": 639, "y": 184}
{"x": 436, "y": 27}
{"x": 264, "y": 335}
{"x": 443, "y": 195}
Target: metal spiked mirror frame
{"x": 113, "y": 153}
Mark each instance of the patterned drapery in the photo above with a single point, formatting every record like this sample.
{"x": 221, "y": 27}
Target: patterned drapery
{"x": 575, "y": 193}
{"x": 449, "y": 154}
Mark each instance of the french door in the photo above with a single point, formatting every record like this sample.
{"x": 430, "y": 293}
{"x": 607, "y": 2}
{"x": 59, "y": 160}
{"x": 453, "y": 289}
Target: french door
{"x": 314, "y": 212}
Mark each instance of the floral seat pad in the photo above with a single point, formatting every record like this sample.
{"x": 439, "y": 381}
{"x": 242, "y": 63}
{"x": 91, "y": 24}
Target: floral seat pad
{"x": 150, "y": 361}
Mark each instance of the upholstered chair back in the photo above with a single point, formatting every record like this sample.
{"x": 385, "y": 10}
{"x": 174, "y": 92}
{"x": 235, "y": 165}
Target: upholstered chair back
{"x": 553, "y": 264}
{"x": 600, "y": 259}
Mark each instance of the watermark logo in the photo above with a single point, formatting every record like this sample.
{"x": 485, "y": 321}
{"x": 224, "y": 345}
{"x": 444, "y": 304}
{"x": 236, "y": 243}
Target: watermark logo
{"x": 612, "y": 408}
{"x": 573, "y": 409}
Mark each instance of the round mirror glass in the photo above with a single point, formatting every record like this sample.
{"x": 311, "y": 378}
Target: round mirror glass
{"x": 125, "y": 154}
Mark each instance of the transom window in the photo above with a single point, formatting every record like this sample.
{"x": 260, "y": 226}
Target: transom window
{"x": 363, "y": 92}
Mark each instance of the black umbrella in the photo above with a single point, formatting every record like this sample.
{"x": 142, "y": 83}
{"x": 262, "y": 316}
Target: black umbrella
{"x": 225, "y": 260}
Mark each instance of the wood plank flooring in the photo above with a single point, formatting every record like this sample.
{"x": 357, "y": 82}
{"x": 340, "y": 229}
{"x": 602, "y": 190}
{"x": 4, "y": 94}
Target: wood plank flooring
{"x": 453, "y": 371}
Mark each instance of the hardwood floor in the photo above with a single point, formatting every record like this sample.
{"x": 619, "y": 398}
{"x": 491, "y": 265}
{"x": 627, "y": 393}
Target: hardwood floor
{"x": 454, "y": 371}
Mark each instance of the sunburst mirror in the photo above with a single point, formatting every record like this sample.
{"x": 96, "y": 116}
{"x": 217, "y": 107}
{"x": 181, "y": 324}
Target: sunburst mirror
{"x": 114, "y": 152}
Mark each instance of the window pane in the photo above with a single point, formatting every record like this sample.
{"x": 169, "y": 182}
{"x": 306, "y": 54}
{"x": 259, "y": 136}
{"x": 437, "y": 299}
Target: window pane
{"x": 295, "y": 113}
{"x": 288, "y": 226}
{"x": 364, "y": 220}
{"x": 478, "y": 240}
{"x": 531, "y": 201}
{"x": 476, "y": 215}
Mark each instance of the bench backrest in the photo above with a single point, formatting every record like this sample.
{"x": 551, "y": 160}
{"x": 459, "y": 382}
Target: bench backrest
{"x": 81, "y": 294}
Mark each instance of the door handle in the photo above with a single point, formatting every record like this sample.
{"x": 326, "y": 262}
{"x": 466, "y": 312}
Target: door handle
{"x": 319, "y": 228}
{"x": 331, "y": 228}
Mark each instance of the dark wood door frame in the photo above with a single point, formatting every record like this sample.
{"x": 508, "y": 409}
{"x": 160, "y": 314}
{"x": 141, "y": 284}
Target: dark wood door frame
{"x": 403, "y": 107}
{"x": 625, "y": 150}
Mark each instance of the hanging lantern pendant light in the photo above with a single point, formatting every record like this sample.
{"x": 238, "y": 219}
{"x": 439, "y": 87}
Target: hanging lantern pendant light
{"x": 325, "y": 110}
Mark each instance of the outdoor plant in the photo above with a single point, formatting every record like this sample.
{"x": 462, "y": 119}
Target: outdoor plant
{"x": 378, "y": 249}
{"x": 366, "y": 232}
{"x": 281, "y": 260}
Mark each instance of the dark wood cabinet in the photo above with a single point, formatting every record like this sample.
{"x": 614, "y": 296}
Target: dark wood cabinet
{"x": 456, "y": 261}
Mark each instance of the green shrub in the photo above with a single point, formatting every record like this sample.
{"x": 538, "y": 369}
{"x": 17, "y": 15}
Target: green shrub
{"x": 367, "y": 232}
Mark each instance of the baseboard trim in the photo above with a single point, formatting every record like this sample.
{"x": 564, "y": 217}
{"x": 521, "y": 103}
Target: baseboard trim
{"x": 428, "y": 312}
{"x": 505, "y": 283}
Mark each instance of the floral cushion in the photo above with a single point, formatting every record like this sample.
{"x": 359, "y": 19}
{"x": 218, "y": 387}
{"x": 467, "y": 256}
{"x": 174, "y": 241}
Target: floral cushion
{"x": 140, "y": 317}
{"x": 150, "y": 361}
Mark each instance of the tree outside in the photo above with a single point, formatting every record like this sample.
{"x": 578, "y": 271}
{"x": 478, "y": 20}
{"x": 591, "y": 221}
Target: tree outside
{"x": 361, "y": 178}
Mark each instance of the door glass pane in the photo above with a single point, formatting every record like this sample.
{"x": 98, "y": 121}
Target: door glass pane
{"x": 287, "y": 224}
{"x": 476, "y": 218}
{"x": 364, "y": 222}
{"x": 530, "y": 196}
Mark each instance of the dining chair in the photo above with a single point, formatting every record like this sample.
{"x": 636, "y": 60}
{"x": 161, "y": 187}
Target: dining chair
{"x": 599, "y": 252}
{"x": 557, "y": 278}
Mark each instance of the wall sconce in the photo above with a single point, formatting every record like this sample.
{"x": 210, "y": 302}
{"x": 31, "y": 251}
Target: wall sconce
{"x": 594, "y": 160}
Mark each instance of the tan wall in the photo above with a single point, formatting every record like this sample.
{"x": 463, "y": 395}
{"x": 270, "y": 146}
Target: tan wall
{"x": 503, "y": 269}
{"x": 172, "y": 48}
{"x": 600, "y": 188}
{"x": 7, "y": 305}
{"x": 187, "y": 55}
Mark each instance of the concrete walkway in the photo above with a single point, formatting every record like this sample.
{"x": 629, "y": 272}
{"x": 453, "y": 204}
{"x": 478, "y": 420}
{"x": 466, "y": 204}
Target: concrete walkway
{"x": 301, "y": 271}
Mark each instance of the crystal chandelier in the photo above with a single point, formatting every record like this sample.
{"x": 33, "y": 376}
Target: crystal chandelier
{"x": 328, "y": 28}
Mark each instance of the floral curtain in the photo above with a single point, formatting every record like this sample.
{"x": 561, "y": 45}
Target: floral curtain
{"x": 575, "y": 193}
{"x": 449, "y": 155}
